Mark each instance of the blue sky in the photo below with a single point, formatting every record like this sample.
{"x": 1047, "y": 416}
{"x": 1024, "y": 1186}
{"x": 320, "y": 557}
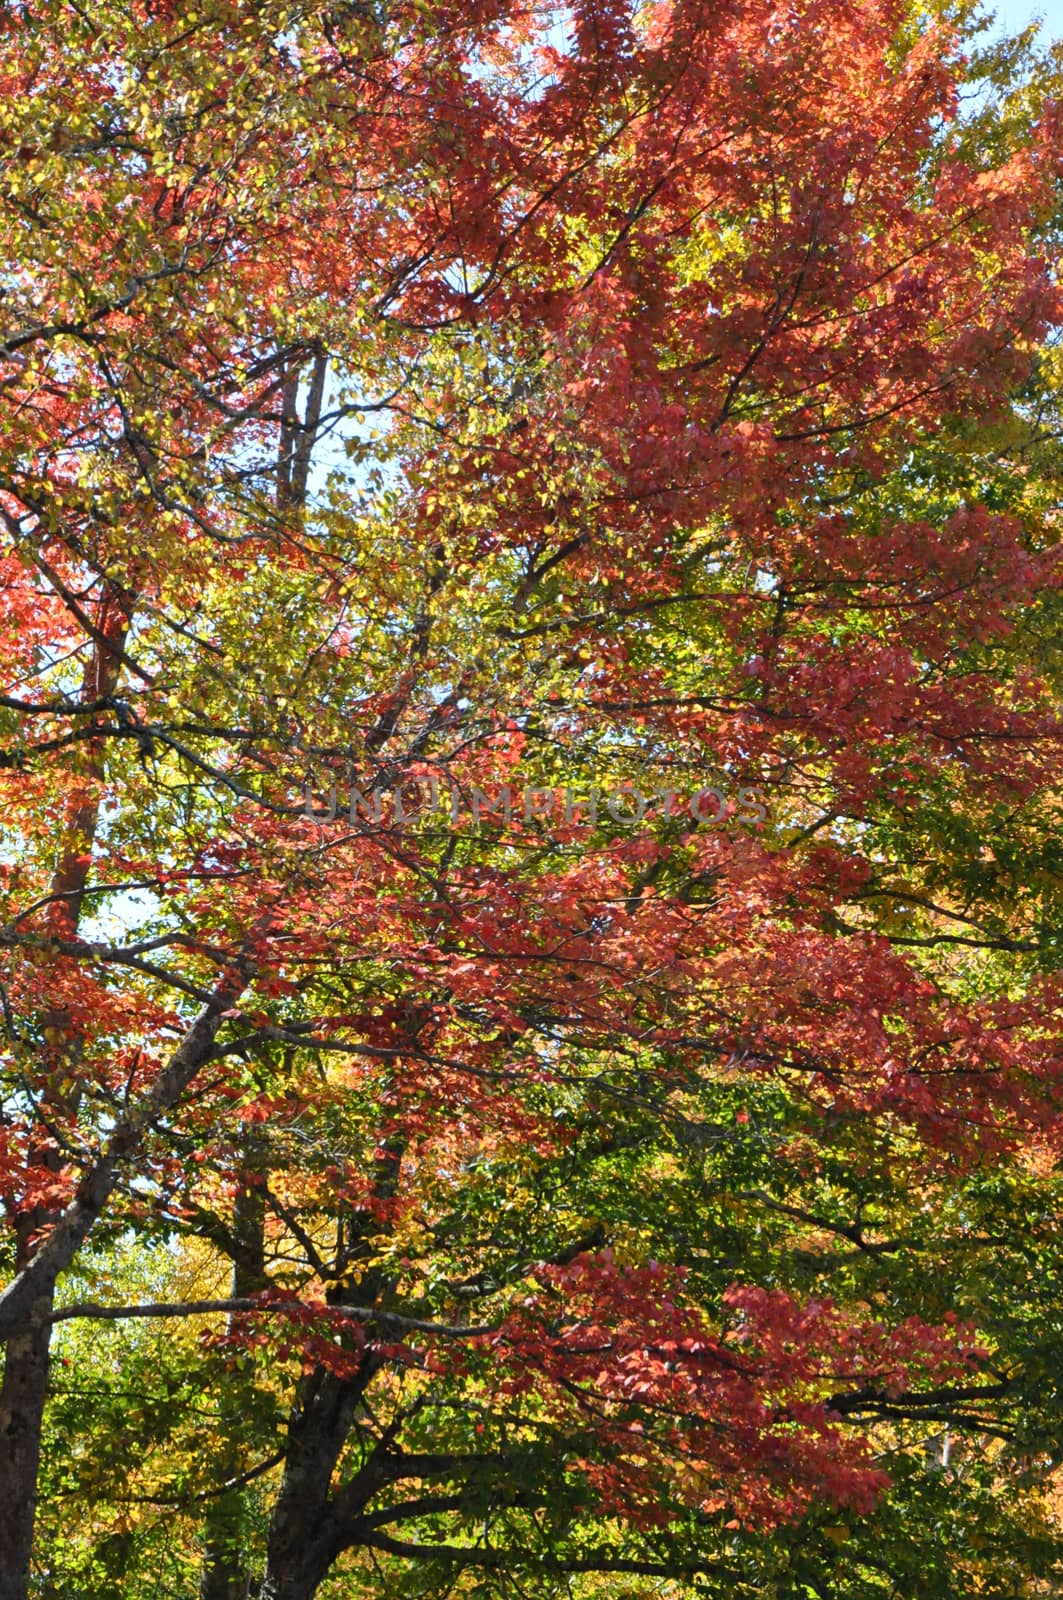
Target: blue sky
{"x": 1013, "y": 14}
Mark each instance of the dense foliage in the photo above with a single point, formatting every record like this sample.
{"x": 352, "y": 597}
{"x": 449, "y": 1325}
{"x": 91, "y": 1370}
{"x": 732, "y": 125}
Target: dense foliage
{"x": 531, "y": 892}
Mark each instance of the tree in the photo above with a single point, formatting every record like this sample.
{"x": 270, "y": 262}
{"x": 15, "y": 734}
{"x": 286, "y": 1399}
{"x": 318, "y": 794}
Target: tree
{"x": 659, "y": 353}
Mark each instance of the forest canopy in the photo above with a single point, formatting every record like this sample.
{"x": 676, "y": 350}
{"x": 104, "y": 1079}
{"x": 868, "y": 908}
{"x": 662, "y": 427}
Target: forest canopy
{"x": 531, "y": 890}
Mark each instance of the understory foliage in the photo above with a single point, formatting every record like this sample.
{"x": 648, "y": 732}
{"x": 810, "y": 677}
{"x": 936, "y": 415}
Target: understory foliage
{"x": 530, "y": 874}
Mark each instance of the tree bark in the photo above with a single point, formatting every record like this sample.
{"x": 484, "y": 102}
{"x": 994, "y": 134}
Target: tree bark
{"x": 22, "y": 1404}
{"x": 27, "y": 1354}
{"x": 227, "y": 1559}
{"x": 295, "y": 1564}
{"x": 304, "y": 446}
{"x": 303, "y": 1541}
{"x": 309, "y": 1527}
{"x": 298, "y": 436}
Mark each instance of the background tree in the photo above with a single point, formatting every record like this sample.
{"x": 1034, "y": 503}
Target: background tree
{"x": 677, "y": 367}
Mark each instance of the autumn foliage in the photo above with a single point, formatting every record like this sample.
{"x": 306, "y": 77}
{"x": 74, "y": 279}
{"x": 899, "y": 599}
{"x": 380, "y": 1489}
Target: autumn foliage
{"x": 604, "y": 400}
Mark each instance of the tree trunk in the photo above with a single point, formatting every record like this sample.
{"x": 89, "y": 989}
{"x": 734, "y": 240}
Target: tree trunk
{"x": 307, "y": 1529}
{"x": 301, "y": 1542}
{"x": 227, "y": 1558}
{"x": 26, "y": 1358}
{"x": 22, "y": 1399}
{"x": 298, "y": 436}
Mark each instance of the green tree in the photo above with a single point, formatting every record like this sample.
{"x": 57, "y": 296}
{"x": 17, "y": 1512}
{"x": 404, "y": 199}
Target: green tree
{"x": 474, "y": 403}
